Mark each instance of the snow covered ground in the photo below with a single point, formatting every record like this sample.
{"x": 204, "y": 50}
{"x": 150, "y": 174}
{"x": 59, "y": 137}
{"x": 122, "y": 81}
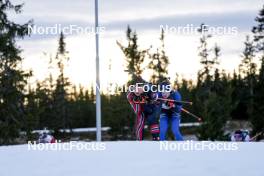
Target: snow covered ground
{"x": 133, "y": 159}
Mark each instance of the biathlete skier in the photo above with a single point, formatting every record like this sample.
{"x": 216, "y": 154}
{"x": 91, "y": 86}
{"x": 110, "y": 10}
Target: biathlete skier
{"x": 170, "y": 112}
{"x": 146, "y": 110}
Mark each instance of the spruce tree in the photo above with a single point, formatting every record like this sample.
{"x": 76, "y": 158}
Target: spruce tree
{"x": 212, "y": 97}
{"x": 134, "y": 56}
{"x": 159, "y": 63}
{"x": 257, "y": 119}
{"x": 12, "y": 79}
{"x": 258, "y": 31}
{"x": 61, "y": 92}
{"x": 248, "y": 69}
{"x": 32, "y": 113}
{"x": 44, "y": 104}
{"x": 204, "y": 74}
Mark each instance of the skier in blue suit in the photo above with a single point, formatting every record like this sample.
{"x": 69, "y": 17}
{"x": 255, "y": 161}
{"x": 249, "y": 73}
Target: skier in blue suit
{"x": 170, "y": 113}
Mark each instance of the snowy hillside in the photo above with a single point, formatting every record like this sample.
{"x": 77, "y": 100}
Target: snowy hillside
{"x": 132, "y": 159}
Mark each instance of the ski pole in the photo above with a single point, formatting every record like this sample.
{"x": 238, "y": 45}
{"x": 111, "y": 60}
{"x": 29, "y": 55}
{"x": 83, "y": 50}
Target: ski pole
{"x": 254, "y": 137}
{"x": 191, "y": 114}
{"x": 164, "y": 99}
{"x": 175, "y": 101}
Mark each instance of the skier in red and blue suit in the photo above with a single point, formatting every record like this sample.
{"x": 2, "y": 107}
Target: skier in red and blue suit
{"x": 145, "y": 111}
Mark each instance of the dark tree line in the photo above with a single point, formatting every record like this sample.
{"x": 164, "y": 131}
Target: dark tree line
{"x": 57, "y": 104}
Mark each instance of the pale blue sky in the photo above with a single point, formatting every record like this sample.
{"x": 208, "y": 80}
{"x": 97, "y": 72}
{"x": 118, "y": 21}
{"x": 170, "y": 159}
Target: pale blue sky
{"x": 145, "y": 16}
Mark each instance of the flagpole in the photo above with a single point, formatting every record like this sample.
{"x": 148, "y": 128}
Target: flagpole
{"x": 98, "y": 96}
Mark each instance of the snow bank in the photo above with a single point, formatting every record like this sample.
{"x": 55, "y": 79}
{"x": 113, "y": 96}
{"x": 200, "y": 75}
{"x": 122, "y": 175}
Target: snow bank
{"x": 133, "y": 159}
